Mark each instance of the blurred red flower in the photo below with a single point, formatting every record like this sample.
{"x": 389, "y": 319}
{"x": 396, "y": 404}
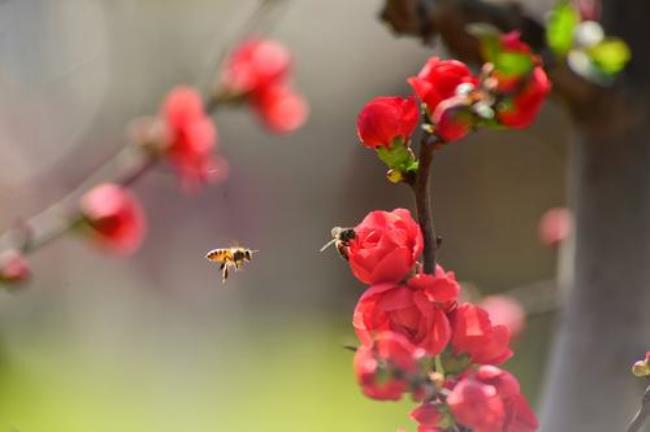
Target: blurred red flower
{"x": 191, "y": 138}
{"x": 14, "y": 267}
{"x": 386, "y": 246}
{"x": 475, "y": 335}
{"x": 555, "y": 226}
{"x": 281, "y": 108}
{"x": 521, "y": 110}
{"x": 507, "y": 311}
{"x": 254, "y": 65}
{"x": 386, "y": 118}
{"x": 428, "y": 417}
{"x": 383, "y": 364}
{"x": 115, "y": 217}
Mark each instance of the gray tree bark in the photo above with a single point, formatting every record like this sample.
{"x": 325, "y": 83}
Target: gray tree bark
{"x": 605, "y": 326}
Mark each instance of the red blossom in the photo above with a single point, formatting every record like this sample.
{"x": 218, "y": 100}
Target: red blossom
{"x": 453, "y": 119}
{"x": 382, "y": 366}
{"x": 439, "y": 79}
{"x": 386, "y": 247}
{"x": 115, "y": 217}
{"x": 191, "y": 138}
{"x": 521, "y": 110}
{"x": 490, "y": 400}
{"x": 415, "y": 310}
{"x": 254, "y": 65}
{"x": 475, "y": 335}
{"x": 280, "y": 107}
{"x": 507, "y": 311}
{"x": 386, "y": 118}
{"x": 14, "y": 268}
{"x": 428, "y": 417}
{"x": 477, "y": 405}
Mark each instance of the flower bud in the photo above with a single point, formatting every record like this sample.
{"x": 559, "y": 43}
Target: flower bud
{"x": 385, "y": 119}
{"x": 14, "y": 268}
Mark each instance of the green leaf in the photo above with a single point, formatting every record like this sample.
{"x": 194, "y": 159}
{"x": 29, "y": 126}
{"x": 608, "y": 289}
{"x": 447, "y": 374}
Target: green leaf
{"x": 488, "y": 36}
{"x": 611, "y": 55}
{"x": 513, "y": 64}
{"x": 561, "y": 24}
{"x": 398, "y": 157}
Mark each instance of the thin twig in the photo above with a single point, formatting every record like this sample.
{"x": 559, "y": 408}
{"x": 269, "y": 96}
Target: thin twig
{"x": 642, "y": 415}
{"x": 423, "y": 202}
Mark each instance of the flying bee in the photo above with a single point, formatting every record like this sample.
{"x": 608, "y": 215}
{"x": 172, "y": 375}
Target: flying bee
{"x": 341, "y": 238}
{"x": 233, "y": 257}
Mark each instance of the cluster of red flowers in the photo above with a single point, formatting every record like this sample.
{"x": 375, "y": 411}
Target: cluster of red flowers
{"x": 417, "y": 336}
{"x": 258, "y": 72}
{"x": 456, "y": 101}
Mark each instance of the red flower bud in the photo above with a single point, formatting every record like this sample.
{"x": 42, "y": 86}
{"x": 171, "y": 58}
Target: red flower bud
{"x": 115, "y": 217}
{"x": 386, "y": 247}
{"x": 254, "y": 65}
{"x": 439, "y": 79}
{"x": 281, "y": 108}
{"x": 191, "y": 138}
{"x": 505, "y": 310}
{"x": 474, "y": 334}
{"x": 453, "y": 119}
{"x": 382, "y": 366}
{"x": 386, "y": 118}
{"x": 415, "y": 310}
{"x": 13, "y": 267}
{"x": 521, "y": 110}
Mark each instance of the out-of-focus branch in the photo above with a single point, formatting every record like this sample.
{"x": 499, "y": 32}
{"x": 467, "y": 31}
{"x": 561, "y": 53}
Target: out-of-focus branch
{"x": 642, "y": 415}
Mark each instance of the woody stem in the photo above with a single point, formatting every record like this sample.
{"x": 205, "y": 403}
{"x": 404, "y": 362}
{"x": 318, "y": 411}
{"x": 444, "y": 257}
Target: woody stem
{"x": 422, "y": 193}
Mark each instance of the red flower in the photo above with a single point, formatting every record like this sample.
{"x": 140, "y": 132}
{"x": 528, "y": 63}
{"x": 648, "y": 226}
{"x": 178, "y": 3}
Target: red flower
{"x": 505, "y": 310}
{"x": 453, "y": 119}
{"x": 386, "y": 247}
{"x": 477, "y": 405}
{"x": 281, "y": 108}
{"x": 115, "y": 217}
{"x": 521, "y": 110}
{"x": 382, "y": 366}
{"x": 555, "y": 226}
{"x": 439, "y": 79}
{"x": 415, "y": 310}
{"x": 441, "y": 288}
{"x": 254, "y": 65}
{"x": 386, "y": 118}
{"x": 191, "y": 138}
{"x": 490, "y": 400}
{"x": 428, "y": 417}
{"x": 13, "y": 267}
{"x": 474, "y": 334}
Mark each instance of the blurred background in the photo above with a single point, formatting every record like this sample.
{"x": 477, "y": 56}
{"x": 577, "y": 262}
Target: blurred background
{"x": 155, "y": 342}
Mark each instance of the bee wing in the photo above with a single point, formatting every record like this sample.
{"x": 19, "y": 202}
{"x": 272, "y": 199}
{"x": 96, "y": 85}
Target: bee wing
{"x": 328, "y": 244}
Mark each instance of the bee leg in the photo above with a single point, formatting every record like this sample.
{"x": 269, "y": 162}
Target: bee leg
{"x": 224, "y": 273}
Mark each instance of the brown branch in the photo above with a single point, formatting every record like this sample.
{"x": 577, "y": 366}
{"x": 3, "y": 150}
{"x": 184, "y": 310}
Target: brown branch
{"x": 422, "y": 194}
{"x": 642, "y": 415}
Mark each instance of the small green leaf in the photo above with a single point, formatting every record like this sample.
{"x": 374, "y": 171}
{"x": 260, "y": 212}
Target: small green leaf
{"x": 488, "y": 36}
{"x": 398, "y": 157}
{"x": 513, "y": 64}
{"x": 561, "y": 24}
{"x": 611, "y": 55}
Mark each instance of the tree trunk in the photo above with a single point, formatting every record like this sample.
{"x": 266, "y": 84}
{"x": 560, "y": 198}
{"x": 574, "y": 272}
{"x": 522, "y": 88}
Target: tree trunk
{"x": 605, "y": 326}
